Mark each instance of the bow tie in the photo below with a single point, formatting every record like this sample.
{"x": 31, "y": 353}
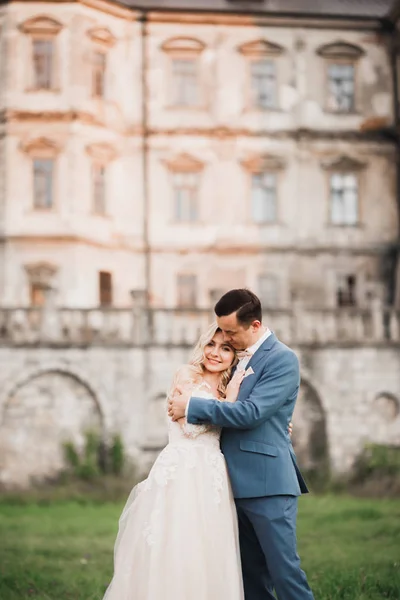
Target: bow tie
{"x": 243, "y": 354}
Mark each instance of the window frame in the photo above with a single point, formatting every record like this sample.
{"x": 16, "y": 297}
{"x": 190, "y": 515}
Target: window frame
{"x": 42, "y": 28}
{"x": 110, "y": 301}
{"x": 278, "y": 291}
{"x": 259, "y": 165}
{"x": 43, "y": 149}
{"x": 344, "y": 62}
{"x": 345, "y": 165}
{"x": 102, "y": 41}
{"x": 44, "y": 207}
{"x": 184, "y": 49}
{"x": 345, "y": 222}
{"x": 101, "y": 156}
{"x": 339, "y": 52}
{"x": 194, "y": 278}
{"x": 257, "y": 51}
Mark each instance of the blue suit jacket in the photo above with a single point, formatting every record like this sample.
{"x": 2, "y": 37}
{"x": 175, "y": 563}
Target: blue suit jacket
{"x": 255, "y": 439}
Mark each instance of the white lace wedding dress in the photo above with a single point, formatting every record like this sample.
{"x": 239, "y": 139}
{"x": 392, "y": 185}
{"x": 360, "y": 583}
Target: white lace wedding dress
{"x": 178, "y": 536}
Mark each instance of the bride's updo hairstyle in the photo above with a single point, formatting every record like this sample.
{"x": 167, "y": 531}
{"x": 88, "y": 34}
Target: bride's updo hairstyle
{"x": 197, "y": 359}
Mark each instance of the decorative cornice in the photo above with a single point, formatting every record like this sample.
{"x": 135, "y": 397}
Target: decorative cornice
{"x": 40, "y": 146}
{"x": 102, "y": 152}
{"x": 343, "y": 163}
{"x": 340, "y": 49}
{"x": 260, "y": 48}
{"x": 264, "y": 162}
{"x": 368, "y": 131}
{"x": 183, "y": 45}
{"x": 102, "y": 36}
{"x": 41, "y": 25}
{"x": 184, "y": 163}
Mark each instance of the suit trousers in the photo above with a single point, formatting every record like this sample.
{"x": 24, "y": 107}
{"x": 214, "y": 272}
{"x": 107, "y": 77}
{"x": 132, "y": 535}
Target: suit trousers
{"x": 268, "y": 545}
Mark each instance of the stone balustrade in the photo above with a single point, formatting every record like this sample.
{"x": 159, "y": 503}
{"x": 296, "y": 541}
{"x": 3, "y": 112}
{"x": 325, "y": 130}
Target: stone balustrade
{"x": 181, "y": 327}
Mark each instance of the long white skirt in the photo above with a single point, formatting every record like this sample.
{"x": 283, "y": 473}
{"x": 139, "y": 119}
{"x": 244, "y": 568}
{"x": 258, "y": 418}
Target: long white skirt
{"x": 178, "y": 534}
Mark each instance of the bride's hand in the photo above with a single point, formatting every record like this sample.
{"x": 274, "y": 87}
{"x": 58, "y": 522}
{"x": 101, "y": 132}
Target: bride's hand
{"x": 233, "y": 387}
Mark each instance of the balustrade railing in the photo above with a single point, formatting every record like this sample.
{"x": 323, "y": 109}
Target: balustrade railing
{"x": 182, "y": 327}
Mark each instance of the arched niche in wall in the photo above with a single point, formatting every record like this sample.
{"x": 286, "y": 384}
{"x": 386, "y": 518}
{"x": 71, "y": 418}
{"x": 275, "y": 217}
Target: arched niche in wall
{"x": 309, "y": 439}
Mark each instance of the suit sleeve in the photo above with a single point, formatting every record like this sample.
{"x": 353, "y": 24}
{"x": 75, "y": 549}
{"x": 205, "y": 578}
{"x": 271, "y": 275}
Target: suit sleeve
{"x": 276, "y": 385}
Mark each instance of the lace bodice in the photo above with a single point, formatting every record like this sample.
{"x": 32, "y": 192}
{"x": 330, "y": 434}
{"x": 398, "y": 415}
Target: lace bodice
{"x": 202, "y": 434}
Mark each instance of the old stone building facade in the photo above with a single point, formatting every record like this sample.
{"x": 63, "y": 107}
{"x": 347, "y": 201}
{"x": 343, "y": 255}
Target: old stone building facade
{"x": 153, "y": 155}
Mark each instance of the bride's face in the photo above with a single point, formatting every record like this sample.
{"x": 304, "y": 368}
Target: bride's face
{"x": 218, "y": 355}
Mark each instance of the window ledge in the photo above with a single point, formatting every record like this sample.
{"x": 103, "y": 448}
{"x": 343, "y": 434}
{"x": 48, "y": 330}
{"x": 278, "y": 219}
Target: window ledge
{"x": 105, "y": 216}
{"x": 197, "y": 108}
{"x": 35, "y": 90}
{"x": 345, "y": 225}
{"x": 342, "y": 113}
{"x": 264, "y": 224}
{"x": 40, "y": 209}
{"x": 262, "y": 109}
{"x": 197, "y": 223}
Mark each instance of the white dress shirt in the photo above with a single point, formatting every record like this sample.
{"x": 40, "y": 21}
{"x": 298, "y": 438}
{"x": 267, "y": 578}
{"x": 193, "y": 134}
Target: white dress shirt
{"x": 242, "y": 364}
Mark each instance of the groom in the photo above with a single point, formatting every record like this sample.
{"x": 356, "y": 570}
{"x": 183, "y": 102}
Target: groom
{"x": 255, "y": 441}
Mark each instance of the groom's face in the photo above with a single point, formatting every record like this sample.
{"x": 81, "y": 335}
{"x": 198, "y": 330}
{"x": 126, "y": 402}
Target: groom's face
{"x": 236, "y": 334}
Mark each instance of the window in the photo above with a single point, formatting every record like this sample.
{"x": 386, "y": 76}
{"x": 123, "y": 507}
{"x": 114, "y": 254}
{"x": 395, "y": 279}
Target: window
{"x": 37, "y": 295}
{"x": 341, "y": 87}
{"x": 99, "y": 74}
{"x": 263, "y": 83}
{"x": 346, "y": 290}
{"x": 43, "y": 63}
{"x": 185, "y": 196}
{"x": 344, "y": 198}
{"x": 268, "y": 290}
{"x": 341, "y": 61}
{"x": 105, "y": 288}
{"x": 185, "y": 83}
{"x": 99, "y": 189}
{"x": 43, "y": 68}
{"x": 263, "y": 59}
{"x": 186, "y": 291}
{"x": 263, "y": 197}
{"x": 43, "y": 169}
{"x": 184, "y": 68}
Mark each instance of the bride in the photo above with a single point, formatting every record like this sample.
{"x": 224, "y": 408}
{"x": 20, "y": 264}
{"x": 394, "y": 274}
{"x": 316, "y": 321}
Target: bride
{"x": 178, "y": 533}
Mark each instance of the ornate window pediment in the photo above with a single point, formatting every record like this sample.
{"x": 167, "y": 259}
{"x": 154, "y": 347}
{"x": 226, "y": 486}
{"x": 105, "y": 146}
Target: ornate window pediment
{"x": 102, "y": 152}
{"x": 183, "y": 45}
{"x": 41, "y": 273}
{"x": 343, "y": 163}
{"x": 262, "y": 163}
{"x": 41, "y": 25}
{"x": 103, "y": 36}
{"x": 184, "y": 163}
{"x": 41, "y": 147}
{"x": 340, "y": 49}
{"x": 260, "y": 48}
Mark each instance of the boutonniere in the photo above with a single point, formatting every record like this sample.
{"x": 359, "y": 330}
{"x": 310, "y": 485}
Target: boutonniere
{"x": 248, "y": 372}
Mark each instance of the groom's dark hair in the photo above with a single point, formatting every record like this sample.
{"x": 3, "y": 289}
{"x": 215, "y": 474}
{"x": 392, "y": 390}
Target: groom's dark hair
{"x": 243, "y": 302}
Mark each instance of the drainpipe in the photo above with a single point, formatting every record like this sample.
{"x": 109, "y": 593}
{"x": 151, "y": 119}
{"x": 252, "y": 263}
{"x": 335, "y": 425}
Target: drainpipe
{"x": 394, "y": 47}
{"x": 145, "y": 170}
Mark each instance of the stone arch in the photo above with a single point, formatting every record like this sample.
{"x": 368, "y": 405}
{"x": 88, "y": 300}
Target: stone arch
{"x": 387, "y": 406}
{"x": 41, "y": 409}
{"x": 310, "y": 439}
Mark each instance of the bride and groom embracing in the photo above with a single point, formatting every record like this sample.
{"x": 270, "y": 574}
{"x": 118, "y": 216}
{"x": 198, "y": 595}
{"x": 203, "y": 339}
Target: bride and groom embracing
{"x": 216, "y": 517}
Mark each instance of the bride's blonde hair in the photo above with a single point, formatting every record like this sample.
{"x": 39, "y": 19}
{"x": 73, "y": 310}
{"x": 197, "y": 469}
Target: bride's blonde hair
{"x": 197, "y": 359}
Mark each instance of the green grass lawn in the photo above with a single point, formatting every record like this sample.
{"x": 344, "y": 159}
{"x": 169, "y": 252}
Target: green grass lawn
{"x": 350, "y": 549}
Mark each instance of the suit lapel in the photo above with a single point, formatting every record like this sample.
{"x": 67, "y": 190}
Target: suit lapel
{"x": 260, "y": 354}
{"x": 255, "y": 360}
